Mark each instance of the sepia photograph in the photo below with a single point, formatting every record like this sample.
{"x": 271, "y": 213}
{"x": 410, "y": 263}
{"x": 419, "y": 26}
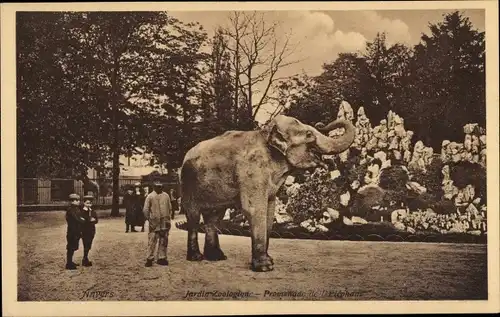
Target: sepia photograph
{"x": 280, "y": 154}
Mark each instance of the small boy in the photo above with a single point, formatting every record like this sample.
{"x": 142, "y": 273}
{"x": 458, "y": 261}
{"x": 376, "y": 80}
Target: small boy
{"x": 88, "y": 228}
{"x": 75, "y": 222}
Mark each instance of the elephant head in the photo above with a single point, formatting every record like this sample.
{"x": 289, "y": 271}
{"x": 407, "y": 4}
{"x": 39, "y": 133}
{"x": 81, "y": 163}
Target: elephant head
{"x": 303, "y": 145}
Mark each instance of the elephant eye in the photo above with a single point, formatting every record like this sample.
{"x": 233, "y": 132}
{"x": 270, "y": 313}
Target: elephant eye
{"x": 309, "y": 134}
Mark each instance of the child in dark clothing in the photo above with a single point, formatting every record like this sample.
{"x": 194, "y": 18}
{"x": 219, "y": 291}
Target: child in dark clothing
{"x": 75, "y": 221}
{"x": 88, "y": 228}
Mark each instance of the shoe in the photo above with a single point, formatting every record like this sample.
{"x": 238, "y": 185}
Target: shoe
{"x": 86, "y": 262}
{"x": 142, "y": 230}
{"x": 162, "y": 262}
{"x": 149, "y": 263}
{"x": 70, "y": 266}
{"x": 126, "y": 231}
{"x": 133, "y": 230}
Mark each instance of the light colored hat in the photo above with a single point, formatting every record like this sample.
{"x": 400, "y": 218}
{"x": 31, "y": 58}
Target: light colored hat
{"x": 137, "y": 184}
{"x": 158, "y": 184}
{"x": 74, "y": 196}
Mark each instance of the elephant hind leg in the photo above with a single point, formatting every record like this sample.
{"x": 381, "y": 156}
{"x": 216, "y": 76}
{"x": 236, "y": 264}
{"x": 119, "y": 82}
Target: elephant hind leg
{"x": 193, "y": 223}
{"x": 212, "y": 250}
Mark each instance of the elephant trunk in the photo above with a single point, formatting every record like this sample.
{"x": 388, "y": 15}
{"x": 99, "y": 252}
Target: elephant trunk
{"x": 335, "y": 144}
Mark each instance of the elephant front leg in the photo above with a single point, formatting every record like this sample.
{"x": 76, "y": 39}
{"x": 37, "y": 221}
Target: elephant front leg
{"x": 212, "y": 250}
{"x": 271, "y": 207}
{"x": 255, "y": 208}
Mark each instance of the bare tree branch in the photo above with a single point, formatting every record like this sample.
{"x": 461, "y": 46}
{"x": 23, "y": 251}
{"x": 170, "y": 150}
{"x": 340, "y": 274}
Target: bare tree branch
{"x": 259, "y": 53}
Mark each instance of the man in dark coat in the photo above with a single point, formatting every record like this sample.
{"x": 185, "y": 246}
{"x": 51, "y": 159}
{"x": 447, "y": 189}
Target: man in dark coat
{"x": 75, "y": 222}
{"x": 88, "y": 228}
{"x": 128, "y": 203}
{"x": 138, "y": 202}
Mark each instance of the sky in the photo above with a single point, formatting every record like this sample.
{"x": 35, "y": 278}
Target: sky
{"x": 319, "y": 36}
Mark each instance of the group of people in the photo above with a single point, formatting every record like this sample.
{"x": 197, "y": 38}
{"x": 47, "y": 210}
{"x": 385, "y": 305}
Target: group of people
{"x": 140, "y": 205}
{"x": 81, "y": 220}
{"x": 133, "y": 201}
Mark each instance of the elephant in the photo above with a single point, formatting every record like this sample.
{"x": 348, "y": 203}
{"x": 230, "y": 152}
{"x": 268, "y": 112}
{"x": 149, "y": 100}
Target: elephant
{"x": 245, "y": 169}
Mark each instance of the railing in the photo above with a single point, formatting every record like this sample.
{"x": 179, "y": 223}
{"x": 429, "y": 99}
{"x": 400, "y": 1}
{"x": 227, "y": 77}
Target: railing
{"x": 55, "y": 191}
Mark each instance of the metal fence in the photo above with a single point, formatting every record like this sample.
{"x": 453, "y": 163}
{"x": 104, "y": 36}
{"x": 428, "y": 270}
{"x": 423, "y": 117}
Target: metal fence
{"x": 55, "y": 191}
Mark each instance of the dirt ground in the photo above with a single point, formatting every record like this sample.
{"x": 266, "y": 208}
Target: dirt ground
{"x": 304, "y": 269}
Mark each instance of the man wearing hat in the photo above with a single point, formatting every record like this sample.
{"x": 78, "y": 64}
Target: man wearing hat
{"x": 138, "y": 199}
{"x": 75, "y": 221}
{"x": 157, "y": 210}
{"x": 88, "y": 227}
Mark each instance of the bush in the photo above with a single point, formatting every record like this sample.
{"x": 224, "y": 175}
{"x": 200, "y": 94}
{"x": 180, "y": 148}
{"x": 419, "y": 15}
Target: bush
{"x": 393, "y": 178}
{"x": 313, "y": 197}
{"x": 464, "y": 173}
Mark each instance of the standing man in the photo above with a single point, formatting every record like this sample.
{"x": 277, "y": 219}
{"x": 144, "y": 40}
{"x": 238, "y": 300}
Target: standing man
{"x": 138, "y": 205}
{"x": 173, "y": 200}
{"x": 157, "y": 210}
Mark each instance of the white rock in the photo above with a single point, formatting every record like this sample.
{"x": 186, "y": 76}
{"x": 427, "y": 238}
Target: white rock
{"x": 227, "y": 215}
{"x": 322, "y": 228}
{"x": 474, "y": 232}
{"x": 306, "y": 223}
{"x": 359, "y": 220}
{"x": 334, "y": 174}
{"x": 399, "y": 226}
{"x": 335, "y": 214}
{"x": 289, "y": 180}
{"x": 311, "y": 229}
{"x": 347, "y": 221}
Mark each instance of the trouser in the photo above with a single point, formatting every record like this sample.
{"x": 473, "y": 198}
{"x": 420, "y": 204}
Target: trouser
{"x": 88, "y": 238}
{"x": 159, "y": 238}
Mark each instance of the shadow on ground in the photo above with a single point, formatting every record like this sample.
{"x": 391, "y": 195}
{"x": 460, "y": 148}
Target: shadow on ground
{"x": 304, "y": 269}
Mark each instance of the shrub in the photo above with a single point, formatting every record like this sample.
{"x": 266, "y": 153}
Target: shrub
{"x": 313, "y": 197}
{"x": 464, "y": 173}
{"x": 393, "y": 178}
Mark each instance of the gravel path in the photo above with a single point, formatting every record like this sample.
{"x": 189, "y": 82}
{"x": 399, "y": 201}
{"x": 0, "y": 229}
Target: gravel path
{"x": 304, "y": 269}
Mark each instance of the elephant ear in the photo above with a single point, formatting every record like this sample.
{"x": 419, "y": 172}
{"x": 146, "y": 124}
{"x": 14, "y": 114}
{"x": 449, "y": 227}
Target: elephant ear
{"x": 277, "y": 140}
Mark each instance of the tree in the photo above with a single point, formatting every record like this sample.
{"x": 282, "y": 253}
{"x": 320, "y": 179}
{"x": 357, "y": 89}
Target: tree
{"x": 387, "y": 66}
{"x": 101, "y": 86}
{"x": 373, "y": 80}
{"x": 347, "y": 78}
{"x": 180, "y": 98}
{"x": 221, "y": 86}
{"x": 51, "y": 140}
{"x": 258, "y": 53}
{"x": 447, "y": 88}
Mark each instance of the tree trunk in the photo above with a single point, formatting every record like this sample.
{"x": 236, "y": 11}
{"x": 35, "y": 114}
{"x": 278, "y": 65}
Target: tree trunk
{"x": 249, "y": 110}
{"x": 115, "y": 207}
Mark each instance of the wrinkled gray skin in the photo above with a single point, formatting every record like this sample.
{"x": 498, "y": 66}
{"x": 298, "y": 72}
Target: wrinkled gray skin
{"x": 245, "y": 169}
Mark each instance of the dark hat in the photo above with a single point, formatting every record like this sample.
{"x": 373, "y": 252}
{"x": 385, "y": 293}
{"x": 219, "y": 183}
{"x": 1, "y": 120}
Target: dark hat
{"x": 88, "y": 197}
{"x": 74, "y": 196}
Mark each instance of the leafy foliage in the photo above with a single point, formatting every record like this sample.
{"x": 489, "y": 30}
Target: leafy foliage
{"x": 437, "y": 86}
{"x": 314, "y": 196}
